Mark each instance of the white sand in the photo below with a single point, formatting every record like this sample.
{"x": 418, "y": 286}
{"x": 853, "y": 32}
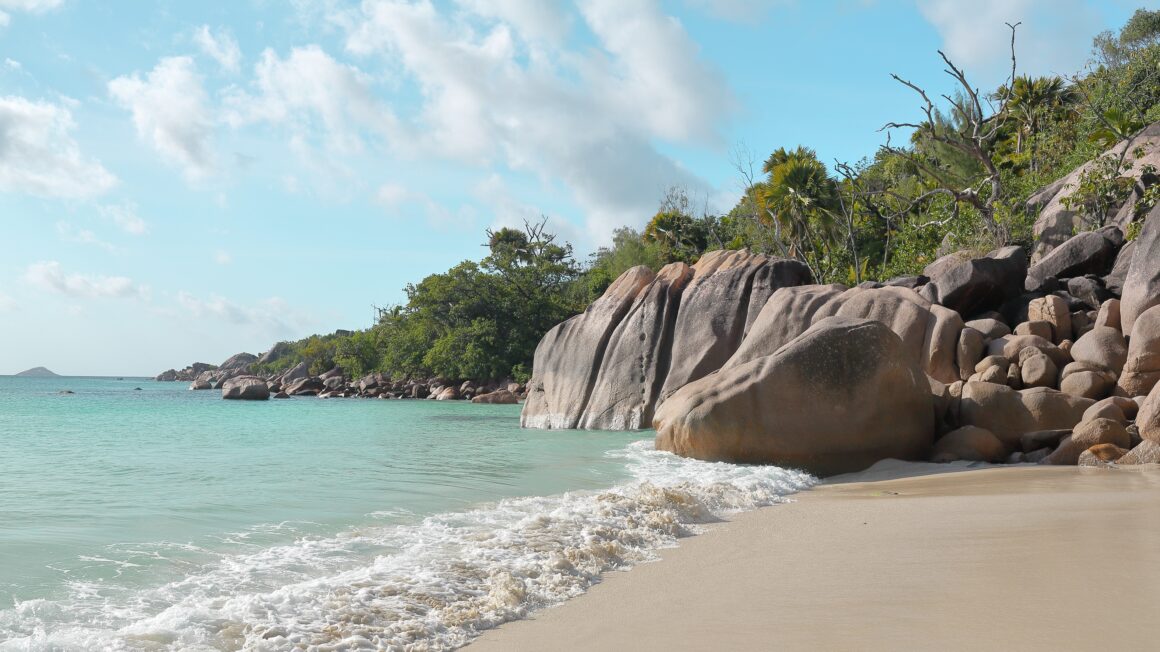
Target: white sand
{"x": 1015, "y": 558}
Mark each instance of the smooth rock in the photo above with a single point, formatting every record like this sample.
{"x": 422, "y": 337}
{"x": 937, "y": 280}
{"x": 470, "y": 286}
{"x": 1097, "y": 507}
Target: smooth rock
{"x": 1109, "y": 315}
{"x": 1146, "y": 452}
{"x": 970, "y": 350}
{"x": 247, "y": 388}
{"x": 1009, "y": 413}
{"x": 1142, "y": 282}
{"x": 838, "y": 398}
{"x": 498, "y": 397}
{"x": 1087, "y": 384}
{"x": 990, "y": 328}
{"x": 1102, "y": 346}
{"x": 1086, "y": 435}
{"x": 969, "y": 443}
{"x": 1142, "y": 368}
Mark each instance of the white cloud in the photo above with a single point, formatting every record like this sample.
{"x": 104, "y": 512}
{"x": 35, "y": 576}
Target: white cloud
{"x": 12, "y": 64}
{"x": 1055, "y": 37}
{"x": 125, "y": 217}
{"x": 273, "y": 316}
{"x": 496, "y": 92}
{"x": 70, "y": 233}
{"x": 309, "y": 91}
{"x": 391, "y": 195}
{"x": 7, "y": 303}
{"x": 39, "y": 157}
{"x": 222, "y": 257}
{"x": 34, "y": 6}
{"x": 222, "y": 47}
{"x": 48, "y": 275}
{"x": 171, "y": 112}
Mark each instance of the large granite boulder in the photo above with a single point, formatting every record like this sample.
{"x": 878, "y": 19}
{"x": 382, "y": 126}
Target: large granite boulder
{"x": 637, "y": 359}
{"x": 498, "y": 397}
{"x": 295, "y": 373}
{"x": 1102, "y": 346}
{"x": 1142, "y": 368}
{"x": 1009, "y": 413}
{"x": 840, "y": 397}
{"x": 647, "y": 336}
{"x": 1114, "y": 281}
{"x": 1142, "y": 281}
{"x": 971, "y": 286}
{"x": 238, "y": 362}
{"x": 1055, "y": 222}
{"x": 569, "y": 356}
{"x": 930, "y": 333}
{"x": 727, "y": 292}
{"x": 246, "y": 388}
{"x": 1090, "y": 252}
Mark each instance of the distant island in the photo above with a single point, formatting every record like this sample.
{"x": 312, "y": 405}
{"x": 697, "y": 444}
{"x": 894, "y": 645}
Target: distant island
{"x": 37, "y": 372}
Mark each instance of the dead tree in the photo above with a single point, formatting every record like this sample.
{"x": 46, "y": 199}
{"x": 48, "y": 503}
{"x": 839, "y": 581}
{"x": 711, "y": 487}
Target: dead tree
{"x": 982, "y": 124}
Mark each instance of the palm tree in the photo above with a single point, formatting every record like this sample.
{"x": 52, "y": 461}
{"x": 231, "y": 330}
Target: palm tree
{"x": 1032, "y": 100}
{"x": 800, "y": 200}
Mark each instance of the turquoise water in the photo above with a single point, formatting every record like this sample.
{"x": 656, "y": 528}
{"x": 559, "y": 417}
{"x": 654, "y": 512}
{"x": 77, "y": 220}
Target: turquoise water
{"x": 159, "y": 518}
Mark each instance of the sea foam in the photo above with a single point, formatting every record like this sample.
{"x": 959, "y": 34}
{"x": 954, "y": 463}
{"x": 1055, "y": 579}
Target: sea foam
{"x": 430, "y": 584}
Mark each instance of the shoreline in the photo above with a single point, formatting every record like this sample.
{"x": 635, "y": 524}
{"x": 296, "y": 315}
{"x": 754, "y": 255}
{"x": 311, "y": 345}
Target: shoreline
{"x": 901, "y": 556}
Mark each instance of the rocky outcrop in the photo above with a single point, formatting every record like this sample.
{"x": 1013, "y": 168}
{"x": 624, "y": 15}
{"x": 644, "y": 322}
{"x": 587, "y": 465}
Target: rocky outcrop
{"x": 930, "y": 333}
{"x": 569, "y": 356}
{"x": 637, "y": 359}
{"x": 647, "y": 336}
{"x": 838, "y": 398}
{"x": 247, "y": 388}
{"x": 727, "y": 292}
{"x": 971, "y": 286}
{"x": 498, "y": 397}
{"x": 1142, "y": 280}
{"x": 1056, "y": 223}
{"x": 1090, "y": 252}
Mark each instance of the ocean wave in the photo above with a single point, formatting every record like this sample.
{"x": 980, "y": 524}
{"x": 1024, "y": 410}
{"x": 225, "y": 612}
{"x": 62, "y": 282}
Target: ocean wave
{"x": 428, "y": 585}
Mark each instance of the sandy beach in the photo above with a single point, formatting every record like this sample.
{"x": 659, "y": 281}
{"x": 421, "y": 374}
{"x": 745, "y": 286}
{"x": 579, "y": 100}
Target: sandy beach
{"x": 1016, "y": 558}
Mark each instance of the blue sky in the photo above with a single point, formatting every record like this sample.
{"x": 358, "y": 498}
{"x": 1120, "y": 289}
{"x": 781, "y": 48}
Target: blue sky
{"x": 183, "y": 181}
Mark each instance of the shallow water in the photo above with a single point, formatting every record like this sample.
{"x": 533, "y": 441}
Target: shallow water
{"x": 162, "y": 518}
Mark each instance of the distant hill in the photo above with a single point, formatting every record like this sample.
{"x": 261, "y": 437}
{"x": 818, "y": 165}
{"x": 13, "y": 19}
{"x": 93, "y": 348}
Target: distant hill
{"x": 37, "y": 372}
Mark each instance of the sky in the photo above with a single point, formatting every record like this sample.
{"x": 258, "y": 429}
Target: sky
{"x": 182, "y": 181}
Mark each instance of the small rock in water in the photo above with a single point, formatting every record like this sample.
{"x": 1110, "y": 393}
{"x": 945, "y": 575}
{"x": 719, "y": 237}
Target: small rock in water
{"x": 136, "y": 389}
{"x": 66, "y": 391}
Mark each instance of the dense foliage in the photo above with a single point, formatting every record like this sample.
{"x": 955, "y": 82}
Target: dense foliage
{"x": 961, "y": 180}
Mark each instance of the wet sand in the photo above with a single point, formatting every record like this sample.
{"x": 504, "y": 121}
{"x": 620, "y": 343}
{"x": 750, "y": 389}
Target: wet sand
{"x": 1016, "y": 558}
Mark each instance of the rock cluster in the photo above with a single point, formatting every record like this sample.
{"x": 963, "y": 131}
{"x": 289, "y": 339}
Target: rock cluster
{"x": 983, "y": 358}
{"x": 235, "y": 379}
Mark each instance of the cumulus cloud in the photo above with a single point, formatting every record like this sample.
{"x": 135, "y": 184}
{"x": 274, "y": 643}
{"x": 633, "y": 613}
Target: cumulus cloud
{"x": 70, "y": 233}
{"x": 221, "y": 46}
{"x": 39, "y": 157}
{"x": 171, "y": 112}
{"x": 125, "y": 217}
{"x": 391, "y": 195}
{"x": 496, "y": 92}
{"x": 272, "y": 316}
{"x": 48, "y": 275}
{"x": 222, "y": 257}
{"x": 32, "y": 6}
{"x": 1055, "y": 36}
{"x": 308, "y": 91}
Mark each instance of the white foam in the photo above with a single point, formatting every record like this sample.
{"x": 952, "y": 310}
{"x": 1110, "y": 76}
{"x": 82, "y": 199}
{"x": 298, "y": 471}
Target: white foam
{"x": 429, "y": 585}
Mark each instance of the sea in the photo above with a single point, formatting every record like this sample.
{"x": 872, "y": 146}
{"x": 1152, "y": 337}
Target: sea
{"x": 139, "y": 515}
